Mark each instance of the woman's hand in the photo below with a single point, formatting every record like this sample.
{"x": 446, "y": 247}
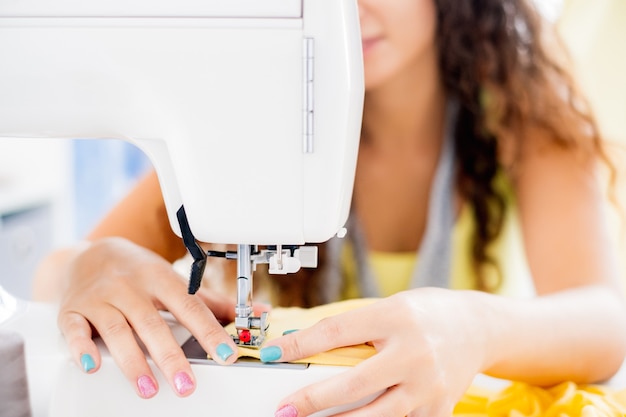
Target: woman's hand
{"x": 115, "y": 287}
{"x": 429, "y": 348}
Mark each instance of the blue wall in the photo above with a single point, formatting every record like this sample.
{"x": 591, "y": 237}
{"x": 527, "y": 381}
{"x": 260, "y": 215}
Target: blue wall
{"x": 104, "y": 172}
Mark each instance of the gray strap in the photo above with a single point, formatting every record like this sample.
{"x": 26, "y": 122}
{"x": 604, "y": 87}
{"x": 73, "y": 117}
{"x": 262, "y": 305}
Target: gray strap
{"x": 368, "y": 285}
{"x": 332, "y": 279}
{"x": 331, "y": 276}
{"x": 435, "y": 251}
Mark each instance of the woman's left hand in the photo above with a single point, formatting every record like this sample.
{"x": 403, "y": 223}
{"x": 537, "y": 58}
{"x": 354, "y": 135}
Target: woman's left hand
{"x": 429, "y": 345}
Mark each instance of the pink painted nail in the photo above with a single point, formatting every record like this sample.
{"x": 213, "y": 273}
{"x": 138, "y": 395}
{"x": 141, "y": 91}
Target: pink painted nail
{"x": 183, "y": 383}
{"x": 286, "y": 411}
{"x": 147, "y": 387}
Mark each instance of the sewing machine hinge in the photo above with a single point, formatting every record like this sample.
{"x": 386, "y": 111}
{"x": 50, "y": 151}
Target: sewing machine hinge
{"x": 308, "y": 61}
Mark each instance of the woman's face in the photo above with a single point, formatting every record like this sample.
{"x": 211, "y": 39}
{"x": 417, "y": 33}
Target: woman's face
{"x": 397, "y": 35}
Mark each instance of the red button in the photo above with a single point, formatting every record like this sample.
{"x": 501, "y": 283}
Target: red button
{"x": 244, "y": 336}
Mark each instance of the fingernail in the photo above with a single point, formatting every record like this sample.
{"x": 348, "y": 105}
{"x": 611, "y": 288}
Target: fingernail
{"x": 183, "y": 383}
{"x": 224, "y": 351}
{"x": 286, "y": 332}
{"x": 270, "y": 354}
{"x": 87, "y": 362}
{"x": 147, "y": 387}
{"x": 286, "y": 411}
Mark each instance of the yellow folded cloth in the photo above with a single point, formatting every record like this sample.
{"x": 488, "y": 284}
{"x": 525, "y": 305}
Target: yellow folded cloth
{"x": 523, "y": 400}
{"x": 294, "y": 318}
{"x": 517, "y": 400}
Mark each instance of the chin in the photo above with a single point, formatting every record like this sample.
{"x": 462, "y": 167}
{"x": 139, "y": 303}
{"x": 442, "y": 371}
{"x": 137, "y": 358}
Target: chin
{"x": 378, "y": 72}
{"x": 374, "y": 81}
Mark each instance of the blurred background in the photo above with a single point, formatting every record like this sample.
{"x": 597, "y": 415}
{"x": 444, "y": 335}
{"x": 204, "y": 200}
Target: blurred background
{"x": 52, "y": 192}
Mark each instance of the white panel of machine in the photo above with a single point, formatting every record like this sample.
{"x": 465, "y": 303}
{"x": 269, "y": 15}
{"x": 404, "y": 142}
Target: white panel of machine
{"x": 152, "y": 8}
{"x": 217, "y": 104}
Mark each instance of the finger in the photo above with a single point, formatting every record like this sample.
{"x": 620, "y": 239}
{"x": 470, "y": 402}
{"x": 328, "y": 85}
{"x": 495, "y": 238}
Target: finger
{"x": 194, "y": 314}
{"x": 395, "y": 402}
{"x": 354, "y": 385}
{"x": 222, "y": 307}
{"x": 77, "y": 332}
{"x": 164, "y": 350}
{"x": 346, "y": 329}
{"x": 119, "y": 338}
{"x": 403, "y": 401}
{"x": 391, "y": 403}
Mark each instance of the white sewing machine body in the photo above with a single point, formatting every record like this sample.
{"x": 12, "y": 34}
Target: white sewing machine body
{"x": 250, "y": 112}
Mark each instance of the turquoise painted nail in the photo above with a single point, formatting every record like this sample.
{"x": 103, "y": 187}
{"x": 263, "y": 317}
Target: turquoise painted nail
{"x": 87, "y": 362}
{"x": 224, "y": 351}
{"x": 270, "y": 354}
{"x": 286, "y": 332}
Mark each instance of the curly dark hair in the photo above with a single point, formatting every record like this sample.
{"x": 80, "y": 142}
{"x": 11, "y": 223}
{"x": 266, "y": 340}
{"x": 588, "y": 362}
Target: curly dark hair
{"x": 496, "y": 59}
{"x": 494, "y": 56}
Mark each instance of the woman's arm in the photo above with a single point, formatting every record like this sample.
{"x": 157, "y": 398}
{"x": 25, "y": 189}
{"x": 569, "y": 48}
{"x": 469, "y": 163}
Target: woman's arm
{"x": 578, "y": 321}
{"x": 576, "y": 334}
{"x": 141, "y": 217}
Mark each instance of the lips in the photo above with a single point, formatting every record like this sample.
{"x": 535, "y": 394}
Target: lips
{"x": 369, "y": 43}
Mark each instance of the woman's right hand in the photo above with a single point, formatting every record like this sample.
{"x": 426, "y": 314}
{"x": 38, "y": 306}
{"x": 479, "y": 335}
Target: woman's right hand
{"x": 115, "y": 288}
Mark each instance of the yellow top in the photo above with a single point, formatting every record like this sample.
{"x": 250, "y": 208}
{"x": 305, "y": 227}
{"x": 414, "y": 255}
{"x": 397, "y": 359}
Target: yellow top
{"x": 393, "y": 271}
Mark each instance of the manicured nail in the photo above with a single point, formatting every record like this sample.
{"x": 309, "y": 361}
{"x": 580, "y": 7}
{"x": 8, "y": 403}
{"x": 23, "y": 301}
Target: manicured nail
{"x": 270, "y": 354}
{"x": 147, "y": 387}
{"x": 183, "y": 383}
{"x": 87, "y": 362}
{"x": 286, "y": 411}
{"x": 224, "y": 351}
{"x": 286, "y": 332}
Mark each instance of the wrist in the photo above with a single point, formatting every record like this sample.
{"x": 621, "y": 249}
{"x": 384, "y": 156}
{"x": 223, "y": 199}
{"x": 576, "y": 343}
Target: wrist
{"x": 50, "y": 277}
{"x": 488, "y": 327}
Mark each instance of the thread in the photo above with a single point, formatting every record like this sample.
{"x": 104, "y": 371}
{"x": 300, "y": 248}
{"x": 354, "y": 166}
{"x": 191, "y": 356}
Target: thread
{"x": 14, "y": 397}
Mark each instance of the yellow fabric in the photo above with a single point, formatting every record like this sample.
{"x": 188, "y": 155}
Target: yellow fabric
{"x": 523, "y": 400}
{"x": 292, "y": 318}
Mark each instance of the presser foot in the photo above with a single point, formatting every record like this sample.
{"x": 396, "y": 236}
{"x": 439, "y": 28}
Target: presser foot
{"x": 246, "y": 339}
{"x": 245, "y": 336}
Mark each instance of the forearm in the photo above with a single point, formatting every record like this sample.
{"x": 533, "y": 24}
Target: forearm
{"x": 577, "y": 335}
{"x": 141, "y": 217}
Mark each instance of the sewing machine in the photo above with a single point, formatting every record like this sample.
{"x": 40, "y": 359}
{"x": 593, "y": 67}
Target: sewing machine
{"x": 249, "y": 110}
